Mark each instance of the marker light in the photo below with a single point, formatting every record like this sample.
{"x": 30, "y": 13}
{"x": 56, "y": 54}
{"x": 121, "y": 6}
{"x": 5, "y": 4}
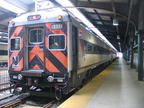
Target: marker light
{"x": 59, "y": 17}
{"x": 33, "y": 17}
{"x": 12, "y": 22}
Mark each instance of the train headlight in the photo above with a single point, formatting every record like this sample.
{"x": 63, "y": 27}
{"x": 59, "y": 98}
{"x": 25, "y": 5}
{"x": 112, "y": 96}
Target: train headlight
{"x": 20, "y": 77}
{"x": 50, "y": 78}
{"x": 60, "y": 80}
{"x": 15, "y": 77}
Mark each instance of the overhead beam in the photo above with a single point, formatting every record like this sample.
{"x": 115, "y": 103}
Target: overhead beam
{"x": 87, "y": 16}
{"x": 121, "y": 8}
{"x": 101, "y": 14}
{"x": 3, "y": 28}
{"x": 4, "y": 16}
{"x": 99, "y": 17}
{"x": 108, "y": 21}
{"x": 108, "y": 27}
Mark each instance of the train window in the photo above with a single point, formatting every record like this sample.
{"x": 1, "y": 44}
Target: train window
{"x": 57, "y": 42}
{"x": 89, "y": 49}
{"x": 95, "y": 50}
{"x": 36, "y": 36}
{"x": 15, "y": 44}
{"x": 3, "y": 52}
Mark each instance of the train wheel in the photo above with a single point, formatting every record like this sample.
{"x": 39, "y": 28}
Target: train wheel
{"x": 12, "y": 88}
{"x": 58, "y": 94}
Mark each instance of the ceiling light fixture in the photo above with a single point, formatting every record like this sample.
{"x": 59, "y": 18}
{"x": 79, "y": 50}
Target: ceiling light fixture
{"x": 115, "y": 22}
{"x": 118, "y": 37}
{"x": 11, "y": 7}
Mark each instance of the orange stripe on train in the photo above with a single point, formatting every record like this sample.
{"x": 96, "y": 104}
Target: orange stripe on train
{"x": 20, "y": 65}
{"x": 61, "y": 57}
{"x": 50, "y": 67}
{"x": 36, "y": 51}
{"x": 36, "y": 67}
{"x": 22, "y": 40}
{"x": 17, "y": 31}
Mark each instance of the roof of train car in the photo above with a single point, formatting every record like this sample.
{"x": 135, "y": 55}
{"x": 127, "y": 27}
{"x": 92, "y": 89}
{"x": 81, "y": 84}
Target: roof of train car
{"x": 44, "y": 16}
{"x": 100, "y": 12}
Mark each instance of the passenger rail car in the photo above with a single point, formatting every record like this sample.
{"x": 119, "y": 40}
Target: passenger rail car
{"x": 3, "y": 54}
{"x": 52, "y": 51}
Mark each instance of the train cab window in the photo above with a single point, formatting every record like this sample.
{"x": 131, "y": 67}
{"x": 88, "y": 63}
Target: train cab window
{"x": 15, "y": 44}
{"x": 57, "y": 42}
{"x": 36, "y": 36}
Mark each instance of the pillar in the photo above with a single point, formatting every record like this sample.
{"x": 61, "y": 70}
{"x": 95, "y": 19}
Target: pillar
{"x": 132, "y": 54}
{"x": 140, "y": 57}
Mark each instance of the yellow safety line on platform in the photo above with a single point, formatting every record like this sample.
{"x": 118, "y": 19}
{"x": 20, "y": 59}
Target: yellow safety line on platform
{"x": 81, "y": 98}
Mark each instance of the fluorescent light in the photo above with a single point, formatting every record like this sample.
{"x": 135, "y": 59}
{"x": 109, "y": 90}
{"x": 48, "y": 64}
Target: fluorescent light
{"x": 65, "y": 3}
{"x": 11, "y": 7}
{"x": 118, "y": 37}
{"x": 115, "y": 22}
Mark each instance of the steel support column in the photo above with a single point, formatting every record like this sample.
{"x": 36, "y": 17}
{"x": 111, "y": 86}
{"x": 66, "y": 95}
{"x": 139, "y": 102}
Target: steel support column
{"x": 140, "y": 57}
{"x": 128, "y": 56}
{"x": 132, "y": 55}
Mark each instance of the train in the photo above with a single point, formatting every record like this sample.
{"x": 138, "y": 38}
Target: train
{"x": 51, "y": 53}
{"x": 3, "y": 54}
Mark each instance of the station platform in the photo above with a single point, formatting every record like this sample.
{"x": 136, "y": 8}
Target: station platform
{"x": 115, "y": 87}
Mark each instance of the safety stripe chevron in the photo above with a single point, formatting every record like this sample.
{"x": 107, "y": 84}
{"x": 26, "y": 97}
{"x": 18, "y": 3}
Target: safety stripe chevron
{"x": 17, "y": 32}
{"x": 56, "y": 63}
{"x": 50, "y": 64}
{"x": 36, "y": 57}
{"x": 61, "y": 57}
{"x": 36, "y": 52}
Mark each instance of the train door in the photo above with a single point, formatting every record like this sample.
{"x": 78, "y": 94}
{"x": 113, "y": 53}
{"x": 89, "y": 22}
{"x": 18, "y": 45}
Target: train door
{"x": 36, "y": 48}
{"x": 75, "y": 48}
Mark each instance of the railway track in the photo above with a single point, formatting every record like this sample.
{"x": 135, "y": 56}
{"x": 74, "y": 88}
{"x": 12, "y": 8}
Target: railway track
{"x": 4, "y": 86}
{"x": 20, "y": 101}
{"x": 32, "y": 105}
{"x": 49, "y": 105}
{"x": 13, "y": 100}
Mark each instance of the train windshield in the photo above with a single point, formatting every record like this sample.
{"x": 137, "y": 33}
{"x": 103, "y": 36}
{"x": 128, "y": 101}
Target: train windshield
{"x": 15, "y": 44}
{"x": 36, "y": 36}
{"x": 57, "y": 42}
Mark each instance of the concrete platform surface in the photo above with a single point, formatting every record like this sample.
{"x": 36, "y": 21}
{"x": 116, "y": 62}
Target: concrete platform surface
{"x": 116, "y": 87}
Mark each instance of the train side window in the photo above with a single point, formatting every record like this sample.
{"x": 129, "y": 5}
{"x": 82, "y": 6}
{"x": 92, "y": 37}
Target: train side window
{"x": 36, "y": 36}
{"x": 3, "y": 52}
{"x": 95, "y": 50}
{"x": 89, "y": 49}
{"x": 15, "y": 44}
{"x": 57, "y": 42}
